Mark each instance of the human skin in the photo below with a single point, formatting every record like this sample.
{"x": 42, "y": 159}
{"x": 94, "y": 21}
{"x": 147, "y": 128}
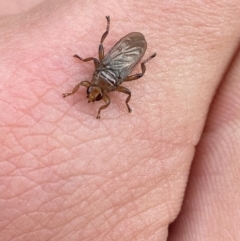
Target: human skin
{"x": 64, "y": 175}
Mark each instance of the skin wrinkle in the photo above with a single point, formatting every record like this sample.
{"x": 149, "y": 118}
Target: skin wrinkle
{"x": 143, "y": 230}
{"x": 18, "y": 194}
{"x": 114, "y": 226}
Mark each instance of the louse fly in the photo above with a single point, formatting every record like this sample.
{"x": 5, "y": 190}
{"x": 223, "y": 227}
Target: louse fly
{"x": 114, "y": 68}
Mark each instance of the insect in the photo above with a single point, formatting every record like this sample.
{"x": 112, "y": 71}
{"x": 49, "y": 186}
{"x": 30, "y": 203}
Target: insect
{"x": 112, "y": 69}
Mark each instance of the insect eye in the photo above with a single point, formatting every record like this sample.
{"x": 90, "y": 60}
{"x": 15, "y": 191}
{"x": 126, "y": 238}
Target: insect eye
{"x": 99, "y": 97}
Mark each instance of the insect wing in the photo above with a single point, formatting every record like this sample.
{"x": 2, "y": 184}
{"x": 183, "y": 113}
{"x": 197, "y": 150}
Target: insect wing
{"x": 125, "y": 54}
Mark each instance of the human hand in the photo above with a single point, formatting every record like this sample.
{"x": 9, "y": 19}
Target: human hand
{"x": 67, "y": 176}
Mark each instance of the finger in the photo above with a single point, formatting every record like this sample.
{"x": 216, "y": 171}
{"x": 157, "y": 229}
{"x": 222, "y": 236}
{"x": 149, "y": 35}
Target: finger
{"x": 212, "y": 199}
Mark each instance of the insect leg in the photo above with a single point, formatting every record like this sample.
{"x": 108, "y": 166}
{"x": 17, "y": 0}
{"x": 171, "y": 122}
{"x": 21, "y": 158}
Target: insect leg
{"x": 101, "y": 49}
{"x": 125, "y": 91}
{"x": 75, "y": 89}
{"x": 96, "y": 62}
{"x": 106, "y": 99}
{"x": 143, "y": 67}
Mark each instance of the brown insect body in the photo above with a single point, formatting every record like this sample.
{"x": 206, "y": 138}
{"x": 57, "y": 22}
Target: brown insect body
{"x": 114, "y": 68}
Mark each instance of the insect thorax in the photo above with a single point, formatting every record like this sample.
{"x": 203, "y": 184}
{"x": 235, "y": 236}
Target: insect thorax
{"x": 106, "y": 79}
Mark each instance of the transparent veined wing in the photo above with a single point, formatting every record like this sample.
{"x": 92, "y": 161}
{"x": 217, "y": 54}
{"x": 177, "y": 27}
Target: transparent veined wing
{"x": 125, "y": 54}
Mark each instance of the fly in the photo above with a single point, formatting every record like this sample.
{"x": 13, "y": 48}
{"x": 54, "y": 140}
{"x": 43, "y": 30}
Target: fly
{"x": 114, "y": 68}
